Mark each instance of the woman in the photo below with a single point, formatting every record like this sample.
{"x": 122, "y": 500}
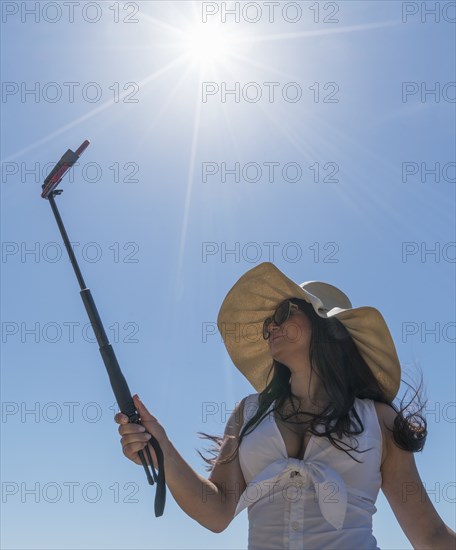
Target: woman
{"x": 308, "y": 453}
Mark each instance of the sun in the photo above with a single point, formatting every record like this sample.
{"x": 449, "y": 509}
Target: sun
{"x": 209, "y": 45}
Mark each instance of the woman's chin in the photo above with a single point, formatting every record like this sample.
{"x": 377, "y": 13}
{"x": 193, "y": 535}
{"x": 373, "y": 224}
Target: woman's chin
{"x": 277, "y": 353}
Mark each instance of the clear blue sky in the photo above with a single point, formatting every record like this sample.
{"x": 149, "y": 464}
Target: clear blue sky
{"x": 334, "y": 168}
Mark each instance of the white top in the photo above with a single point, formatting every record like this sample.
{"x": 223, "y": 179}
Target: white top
{"x": 325, "y": 501}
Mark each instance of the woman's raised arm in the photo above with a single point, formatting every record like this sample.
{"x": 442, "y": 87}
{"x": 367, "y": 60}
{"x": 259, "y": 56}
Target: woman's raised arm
{"x": 209, "y": 502}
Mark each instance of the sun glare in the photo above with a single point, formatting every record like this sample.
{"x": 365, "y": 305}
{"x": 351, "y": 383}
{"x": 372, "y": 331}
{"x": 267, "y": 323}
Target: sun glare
{"x": 207, "y": 45}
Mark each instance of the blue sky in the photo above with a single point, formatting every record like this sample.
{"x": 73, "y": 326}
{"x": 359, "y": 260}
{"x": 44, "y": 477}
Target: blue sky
{"x": 352, "y": 131}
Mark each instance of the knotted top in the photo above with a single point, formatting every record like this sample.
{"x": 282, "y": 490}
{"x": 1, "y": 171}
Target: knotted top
{"x": 329, "y": 487}
{"x": 308, "y": 503}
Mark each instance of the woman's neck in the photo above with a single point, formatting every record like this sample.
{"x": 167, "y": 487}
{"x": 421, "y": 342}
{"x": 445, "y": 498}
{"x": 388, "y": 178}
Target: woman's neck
{"x": 307, "y": 392}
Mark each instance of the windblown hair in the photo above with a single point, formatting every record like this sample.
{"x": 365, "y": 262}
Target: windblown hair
{"x": 345, "y": 375}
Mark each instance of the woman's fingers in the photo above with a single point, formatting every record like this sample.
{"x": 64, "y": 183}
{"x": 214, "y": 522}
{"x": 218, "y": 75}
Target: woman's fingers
{"x": 130, "y": 450}
{"x": 131, "y": 428}
{"x": 135, "y": 436}
{"x": 149, "y": 421}
{"x": 121, "y": 418}
{"x": 135, "y": 440}
{"x": 145, "y": 415}
{"x": 142, "y": 410}
{"x": 132, "y": 454}
{"x": 153, "y": 455}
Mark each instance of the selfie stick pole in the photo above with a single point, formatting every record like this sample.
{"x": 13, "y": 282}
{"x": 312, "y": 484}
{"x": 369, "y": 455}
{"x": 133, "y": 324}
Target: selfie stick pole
{"x": 117, "y": 379}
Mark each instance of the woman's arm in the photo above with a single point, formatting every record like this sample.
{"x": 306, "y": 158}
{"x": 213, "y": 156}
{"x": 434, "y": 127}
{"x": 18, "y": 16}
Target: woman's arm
{"x": 228, "y": 477}
{"x": 208, "y": 501}
{"x": 212, "y": 502}
{"x": 406, "y": 494}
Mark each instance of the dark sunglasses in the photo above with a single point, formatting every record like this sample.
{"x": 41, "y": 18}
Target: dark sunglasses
{"x": 281, "y": 314}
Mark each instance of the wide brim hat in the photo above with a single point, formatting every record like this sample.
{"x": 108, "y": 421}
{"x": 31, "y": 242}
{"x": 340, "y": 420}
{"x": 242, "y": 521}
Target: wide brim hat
{"x": 256, "y": 295}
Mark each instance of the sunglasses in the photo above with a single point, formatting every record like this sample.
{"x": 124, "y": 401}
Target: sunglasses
{"x": 281, "y": 314}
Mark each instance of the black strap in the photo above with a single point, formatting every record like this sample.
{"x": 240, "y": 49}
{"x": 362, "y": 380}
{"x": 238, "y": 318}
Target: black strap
{"x": 160, "y": 495}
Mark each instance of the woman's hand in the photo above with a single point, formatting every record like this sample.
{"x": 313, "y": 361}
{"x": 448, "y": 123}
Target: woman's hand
{"x": 216, "y": 510}
{"x": 135, "y": 436}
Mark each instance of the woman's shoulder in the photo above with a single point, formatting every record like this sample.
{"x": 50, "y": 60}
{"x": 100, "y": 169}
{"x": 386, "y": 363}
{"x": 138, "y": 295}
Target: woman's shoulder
{"x": 382, "y": 414}
{"x": 386, "y": 416}
{"x": 385, "y": 413}
{"x": 250, "y": 398}
{"x": 379, "y": 418}
{"x": 249, "y": 406}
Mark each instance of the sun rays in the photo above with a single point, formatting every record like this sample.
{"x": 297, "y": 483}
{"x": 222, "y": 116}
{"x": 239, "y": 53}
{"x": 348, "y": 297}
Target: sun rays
{"x": 200, "y": 50}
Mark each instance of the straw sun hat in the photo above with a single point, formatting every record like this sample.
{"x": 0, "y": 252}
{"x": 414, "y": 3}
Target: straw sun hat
{"x": 256, "y": 295}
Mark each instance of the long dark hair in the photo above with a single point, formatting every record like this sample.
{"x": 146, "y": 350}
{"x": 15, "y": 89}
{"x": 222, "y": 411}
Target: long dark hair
{"x": 345, "y": 375}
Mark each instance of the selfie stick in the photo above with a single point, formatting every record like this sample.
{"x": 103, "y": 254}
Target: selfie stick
{"x": 118, "y": 383}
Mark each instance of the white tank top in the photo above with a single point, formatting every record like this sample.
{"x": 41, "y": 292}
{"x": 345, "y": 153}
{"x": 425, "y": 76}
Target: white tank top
{"x": 325, "y": 501}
